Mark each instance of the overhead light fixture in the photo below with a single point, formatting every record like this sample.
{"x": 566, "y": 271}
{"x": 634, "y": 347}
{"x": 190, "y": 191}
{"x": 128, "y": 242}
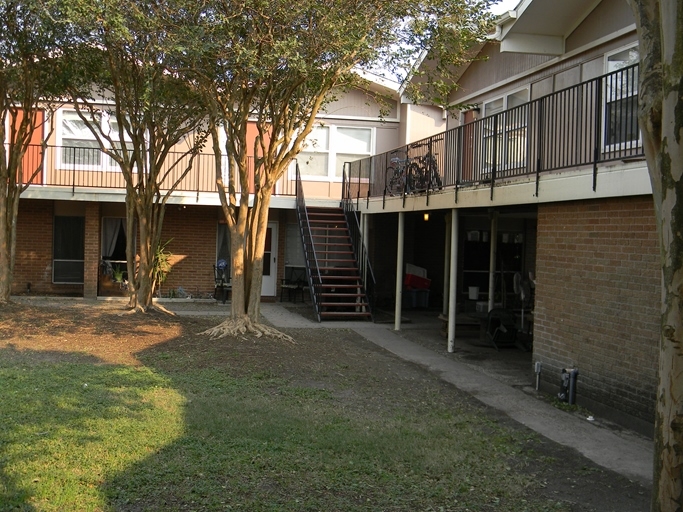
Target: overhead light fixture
{"x": 426, "y": 217}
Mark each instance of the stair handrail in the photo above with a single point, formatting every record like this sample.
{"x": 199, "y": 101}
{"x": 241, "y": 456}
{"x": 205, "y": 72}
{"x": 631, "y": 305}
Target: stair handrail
{"x": 360, "y": 251}
{"x": 312, "y": 268}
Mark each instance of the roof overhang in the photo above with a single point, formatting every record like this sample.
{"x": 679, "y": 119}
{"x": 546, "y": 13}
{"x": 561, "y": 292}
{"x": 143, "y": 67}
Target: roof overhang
{"x": 542, "y": 26}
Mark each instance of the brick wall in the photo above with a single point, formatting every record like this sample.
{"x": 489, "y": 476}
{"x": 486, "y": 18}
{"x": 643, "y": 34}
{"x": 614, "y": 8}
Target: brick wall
{"x": 92, "y": 250}
{"x": 193, "y": 230}
{"x": 598, "y": 301}
{"x": 33, "y": 262}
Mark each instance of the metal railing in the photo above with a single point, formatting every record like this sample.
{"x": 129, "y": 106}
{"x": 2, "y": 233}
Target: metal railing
{"x": 90, "y": 167}
{"x": 587, "y": 124}
{"x": 312, "y": 267}
{"x": 360, "y": 251}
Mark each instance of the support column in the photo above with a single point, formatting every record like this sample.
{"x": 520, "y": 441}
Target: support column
{"x": 399, "y": 271}
{"x": 453, "y": 279}
{"x": 446, "y": 267}
{"x": 92, "y": 250}
{"x": 493, "y": 257}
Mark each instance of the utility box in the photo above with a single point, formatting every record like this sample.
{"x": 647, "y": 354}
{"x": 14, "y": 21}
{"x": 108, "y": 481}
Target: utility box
{"x": 568, "y": 385}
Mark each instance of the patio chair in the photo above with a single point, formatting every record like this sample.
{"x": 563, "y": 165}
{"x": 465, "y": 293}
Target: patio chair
{"x": 222, "y": 285}
{"x": 501, "y": 328}
{"x": 294, "y": 282}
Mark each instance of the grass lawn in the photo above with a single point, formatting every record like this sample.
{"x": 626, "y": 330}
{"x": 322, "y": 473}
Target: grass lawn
{"x": 185, "y": 423}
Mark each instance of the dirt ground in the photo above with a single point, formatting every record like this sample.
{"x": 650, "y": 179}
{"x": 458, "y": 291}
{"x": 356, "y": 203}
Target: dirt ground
{"x": 44, "y": 331}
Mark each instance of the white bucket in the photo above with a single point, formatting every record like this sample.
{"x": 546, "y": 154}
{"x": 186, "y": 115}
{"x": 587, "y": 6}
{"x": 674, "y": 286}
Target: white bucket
{"x": 474, "y": 292}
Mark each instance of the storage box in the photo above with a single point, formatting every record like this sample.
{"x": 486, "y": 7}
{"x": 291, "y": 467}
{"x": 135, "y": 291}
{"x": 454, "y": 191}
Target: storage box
{"x": 414, "y": 269}
{"x": 421, "y": 298}
{"x": 415, "y": 299}
{"x": 408, "y": 299}
{"x": 416, "y": 282}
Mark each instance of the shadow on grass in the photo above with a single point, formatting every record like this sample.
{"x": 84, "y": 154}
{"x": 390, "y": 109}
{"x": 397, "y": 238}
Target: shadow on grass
{"x": 329, "y": 423}
{"x": 66, "y": 420}
{"x": 332, "y": 423}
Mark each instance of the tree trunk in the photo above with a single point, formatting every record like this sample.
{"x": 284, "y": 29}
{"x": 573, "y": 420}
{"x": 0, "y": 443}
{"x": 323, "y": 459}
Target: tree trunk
{"x": 665, "y": 167}
{"x": 131, "y": 264}
{"x": 9, "y": 211}
{"x": 6, "y": 263}
{"x": 258, "y": 243}
{"x": 661, "y": 121}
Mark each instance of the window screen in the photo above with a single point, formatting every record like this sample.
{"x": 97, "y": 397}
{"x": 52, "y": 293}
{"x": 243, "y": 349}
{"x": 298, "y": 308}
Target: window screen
{"x": 68, "y": 249}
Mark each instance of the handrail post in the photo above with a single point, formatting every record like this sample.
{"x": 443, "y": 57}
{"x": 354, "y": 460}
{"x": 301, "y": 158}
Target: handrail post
{"x": 495, "y": 152}
{"x": 598, "y": 128}
{"x": 539, "y": 143}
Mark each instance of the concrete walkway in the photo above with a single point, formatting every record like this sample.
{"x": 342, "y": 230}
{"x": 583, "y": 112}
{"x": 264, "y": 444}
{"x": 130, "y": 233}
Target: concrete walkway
{"x": 622, "y": 451}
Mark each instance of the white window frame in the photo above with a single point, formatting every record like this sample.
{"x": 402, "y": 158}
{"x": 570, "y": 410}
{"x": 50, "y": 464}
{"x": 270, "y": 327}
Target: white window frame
{"x": 331, "y": 151}
{"x": 106, "y": 163}
{"x": 503, "y": 132}
{"x": 622, "y": 145}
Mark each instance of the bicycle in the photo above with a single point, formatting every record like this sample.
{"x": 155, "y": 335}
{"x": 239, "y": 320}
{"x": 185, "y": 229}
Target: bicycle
{"x": 398, "y": 173}
{"x": 426, "y": 170}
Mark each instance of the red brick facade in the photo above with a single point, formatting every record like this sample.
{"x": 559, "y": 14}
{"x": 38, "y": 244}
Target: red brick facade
{"x": 598, "y": 300}
{"x": 33, "y": 263}
{"x": 92, "y": 250}
{"x": 191, "y": 230}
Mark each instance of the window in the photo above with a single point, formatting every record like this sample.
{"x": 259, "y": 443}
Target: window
{"x": 68, "y": 251}
{"x": 314, "y": 160}
{"x": 505, "y": 134}
{"x": 78, "y": 145}
{"x": 621, "y": 99}
{"x": 328, "y": 147}
{"x": 352, "y": 144}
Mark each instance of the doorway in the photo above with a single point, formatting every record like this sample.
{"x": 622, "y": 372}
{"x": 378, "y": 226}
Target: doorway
{"x": 269, "y": 283}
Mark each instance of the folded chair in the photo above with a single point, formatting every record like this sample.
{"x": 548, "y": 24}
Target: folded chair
{"x": 501, "y": 328}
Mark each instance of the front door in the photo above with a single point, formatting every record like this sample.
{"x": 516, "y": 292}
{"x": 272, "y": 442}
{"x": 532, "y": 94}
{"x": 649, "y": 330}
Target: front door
{"x": 269, "y": 284}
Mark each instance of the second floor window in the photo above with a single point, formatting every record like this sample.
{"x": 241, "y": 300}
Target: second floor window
{"x": 621, "y": 100}
{"x": 329, "y": 147}
{"x": 78, "y": 144}
{"x": 505, "y": 138}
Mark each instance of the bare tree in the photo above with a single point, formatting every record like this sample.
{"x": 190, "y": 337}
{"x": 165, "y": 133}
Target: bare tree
{"x": 660, "y": 25}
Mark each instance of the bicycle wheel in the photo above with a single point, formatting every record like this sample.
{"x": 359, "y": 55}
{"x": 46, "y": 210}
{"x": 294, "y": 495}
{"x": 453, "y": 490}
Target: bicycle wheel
{"x": 435, "y": 180}
{"x": 394, "y": 183}
{"x": 416, "y": 178}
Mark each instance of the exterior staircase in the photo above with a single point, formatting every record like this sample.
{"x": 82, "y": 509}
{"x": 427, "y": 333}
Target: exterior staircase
{"x": 341, "y": 293}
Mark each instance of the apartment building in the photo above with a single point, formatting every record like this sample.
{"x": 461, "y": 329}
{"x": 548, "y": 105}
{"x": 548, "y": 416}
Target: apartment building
{"x": 542, "y": 181}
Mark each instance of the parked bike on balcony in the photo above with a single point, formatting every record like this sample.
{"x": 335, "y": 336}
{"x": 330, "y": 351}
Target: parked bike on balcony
{"x": 406, "y": 175}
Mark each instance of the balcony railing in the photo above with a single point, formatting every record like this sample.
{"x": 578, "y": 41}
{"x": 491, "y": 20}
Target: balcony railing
{"x": 588, "y": 124}
{"x": 87, "y": 167}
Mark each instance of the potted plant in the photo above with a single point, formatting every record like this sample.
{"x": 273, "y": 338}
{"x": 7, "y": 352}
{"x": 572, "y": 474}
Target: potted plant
{"x": 162, "y": 266}
{"x": 117, "y": 274}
